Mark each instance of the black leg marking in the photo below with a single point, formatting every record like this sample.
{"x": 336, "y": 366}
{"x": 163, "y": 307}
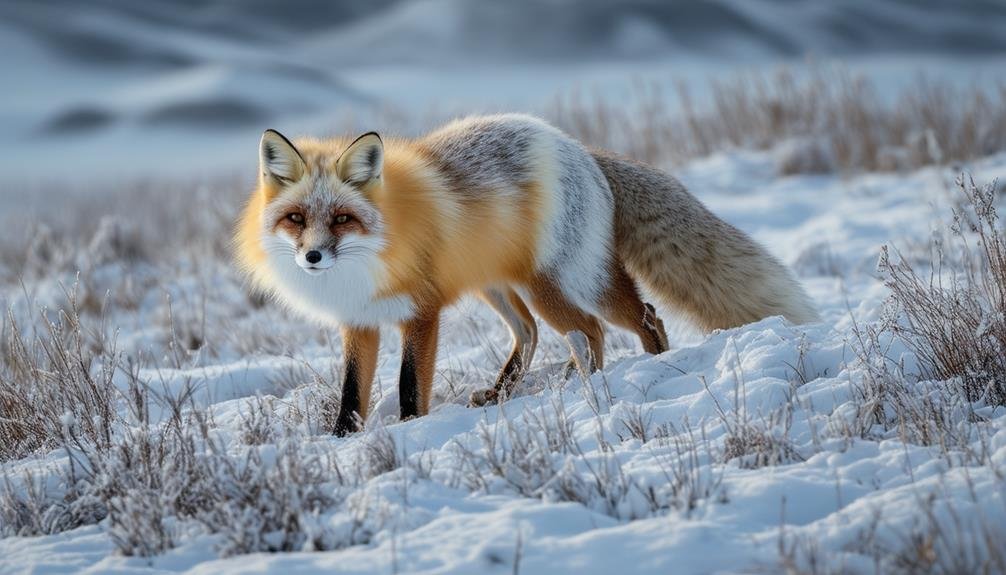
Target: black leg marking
{"x": 408, "y": 385}
{"x": 348, "y": 420}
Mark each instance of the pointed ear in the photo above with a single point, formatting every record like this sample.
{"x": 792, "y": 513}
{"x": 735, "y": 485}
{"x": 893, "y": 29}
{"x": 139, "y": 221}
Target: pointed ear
{"x": 279, "y": 159}
{"x": 363, "y": 160}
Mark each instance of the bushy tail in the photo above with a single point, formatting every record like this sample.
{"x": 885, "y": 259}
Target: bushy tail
{"x": 692, "y": 260}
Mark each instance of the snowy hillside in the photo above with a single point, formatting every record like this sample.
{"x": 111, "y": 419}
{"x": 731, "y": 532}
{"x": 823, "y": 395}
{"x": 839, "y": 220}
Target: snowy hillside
{"x": 195, "y": 81}
{"x": 761, "y": 448}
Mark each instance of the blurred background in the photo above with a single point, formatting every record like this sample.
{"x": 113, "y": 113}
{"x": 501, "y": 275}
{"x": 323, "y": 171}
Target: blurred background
{"x": 114, "y": 89}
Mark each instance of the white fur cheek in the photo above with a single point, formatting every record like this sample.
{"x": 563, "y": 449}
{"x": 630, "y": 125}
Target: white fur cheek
{"x": 345, "y": 294}
{"x": 279, "y": 243}
{"x": 357, "y": 249}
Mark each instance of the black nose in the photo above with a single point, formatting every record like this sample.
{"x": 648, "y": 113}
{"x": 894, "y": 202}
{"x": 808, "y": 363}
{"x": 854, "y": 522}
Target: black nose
{"x": 313, "y": 256}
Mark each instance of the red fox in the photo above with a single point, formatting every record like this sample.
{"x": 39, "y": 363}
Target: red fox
{"x": 370, "y": 232}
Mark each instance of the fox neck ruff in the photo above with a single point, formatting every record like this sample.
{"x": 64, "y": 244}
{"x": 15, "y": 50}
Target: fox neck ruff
{"x": 347, "y": 293}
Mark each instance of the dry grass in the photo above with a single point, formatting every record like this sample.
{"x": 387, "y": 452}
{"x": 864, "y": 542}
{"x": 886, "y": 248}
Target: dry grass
{"x": 950, "y": 318}
{"x": 947, "y": 543}
{"x": 52, "y": 378}
{"x": 828, "y": 119}
{"x": 537, "y": 455}
{"x": 954, "y": 317}
{"x": 135, "y": 222}
{"x": 158, "y": 478}
{"x": 941, "y": 541}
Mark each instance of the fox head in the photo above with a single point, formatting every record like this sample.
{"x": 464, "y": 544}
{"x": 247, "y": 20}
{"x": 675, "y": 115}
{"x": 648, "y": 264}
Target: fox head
{"x": 314, "y": 233}
{"x": 318, "y": 211}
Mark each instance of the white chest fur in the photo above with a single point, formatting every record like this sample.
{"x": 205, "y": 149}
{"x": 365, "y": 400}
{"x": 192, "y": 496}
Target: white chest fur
{"x": 345, "y": 294}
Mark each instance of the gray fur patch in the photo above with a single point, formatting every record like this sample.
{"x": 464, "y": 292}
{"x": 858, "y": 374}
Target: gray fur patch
{"x": 500, "y": 155}
{"x": 482, "y": 155}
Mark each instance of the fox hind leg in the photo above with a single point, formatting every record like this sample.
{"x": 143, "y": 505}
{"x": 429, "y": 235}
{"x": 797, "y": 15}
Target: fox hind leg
{"x": 523, "y": 332}
{"x": 565, "y": 316}
{"x": 622, "y": 306}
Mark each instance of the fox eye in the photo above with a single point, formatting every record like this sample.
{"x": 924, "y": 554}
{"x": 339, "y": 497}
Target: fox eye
{"x": 342, "y": 218}
{"x": 295, "y": 218}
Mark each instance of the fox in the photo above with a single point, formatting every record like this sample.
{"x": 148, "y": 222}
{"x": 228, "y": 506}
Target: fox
{"x": 370, "y": 232}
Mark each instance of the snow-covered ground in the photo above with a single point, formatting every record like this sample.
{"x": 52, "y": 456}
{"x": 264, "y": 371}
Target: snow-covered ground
{"x": 750, "y": 449}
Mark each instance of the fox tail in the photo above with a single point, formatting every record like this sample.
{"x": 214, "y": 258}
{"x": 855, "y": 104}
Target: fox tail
{"x": 690, "y": 259}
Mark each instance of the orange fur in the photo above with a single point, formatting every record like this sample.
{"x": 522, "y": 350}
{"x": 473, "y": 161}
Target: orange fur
{"x": 441, "y": 244}
{"x": 438, "y": 249}
{"x": 248, "y": 244}
{"x": 362, "y": 344}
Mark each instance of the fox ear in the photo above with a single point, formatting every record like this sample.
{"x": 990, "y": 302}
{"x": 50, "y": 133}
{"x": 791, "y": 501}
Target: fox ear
{"x": 279, "y": 159}
{"x": 363, "y": 160}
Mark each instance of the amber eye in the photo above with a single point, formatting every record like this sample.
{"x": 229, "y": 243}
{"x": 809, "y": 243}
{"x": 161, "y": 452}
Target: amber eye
{"x": 295, "y": 218}
{"x": 342, "y": 218}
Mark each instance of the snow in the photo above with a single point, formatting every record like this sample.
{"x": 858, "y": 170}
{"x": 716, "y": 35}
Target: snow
{"x": 457, "y": 516}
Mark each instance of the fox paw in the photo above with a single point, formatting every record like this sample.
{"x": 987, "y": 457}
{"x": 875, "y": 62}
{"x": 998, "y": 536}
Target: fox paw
{"x": 342, "y": 429}
{"x": 568, "y": 369}
{"x": 482, "y": 397}
{"x": 346, "y": 424}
